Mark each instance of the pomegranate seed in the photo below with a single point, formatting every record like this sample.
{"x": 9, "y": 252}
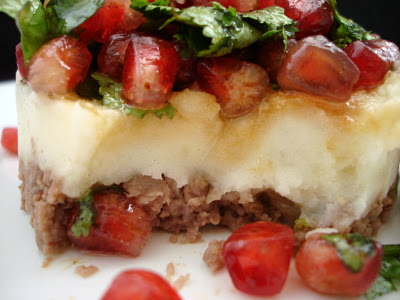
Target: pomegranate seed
{"x": 149, "y": 70}
{"x": 113, "y": 17}
{"x": 258, "y": 256}
{"x": 374, "y": 59}
{"x": 186, "y": 70}
{"x": 9, "y": 139}
{"x": 319, "y": 265}
{"x": 238, "y": 85}
{"x": 317, "y": 66}
{"x": 66, "y": 62}
{"x": 140, "y": 285}
{"x": 121, "y": 226}
{"x": 313, "y": 16}
{"x": 112, "y": 54}
{"x": 21, "y": 61}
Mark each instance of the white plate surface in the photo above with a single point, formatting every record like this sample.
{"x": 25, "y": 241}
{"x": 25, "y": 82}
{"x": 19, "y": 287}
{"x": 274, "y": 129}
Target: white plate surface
{"x": 22, "y": 276}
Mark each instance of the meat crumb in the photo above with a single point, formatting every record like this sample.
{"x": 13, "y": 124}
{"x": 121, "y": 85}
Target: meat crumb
{"x": 174, "y": 239}
{"x": 170, "y": 271}
{"x": 47, "y": 261}
{"x": 213, "y": 255}
{"x": 181, "y": 281}
{"x": 86, "y": 271}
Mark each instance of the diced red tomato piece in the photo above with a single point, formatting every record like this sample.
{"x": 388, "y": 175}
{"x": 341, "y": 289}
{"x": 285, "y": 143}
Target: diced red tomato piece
{"x": 258, "y": 256}
{"x": 374, "y": 59}
{"x": 19, "y": 55}
{"x": 121, "y": 226}
{"x": 112, "y": 54}
{"x": 317, "y": 66}
{"x": 113, "y": 17}
{"x": 238, "y": 85}
{"x": 321, "y": 268}
{"x": 59, "y": 65}
{"x": 140, "y": 285}
{"x": 149, "y": 71}
{"x": 9, "y": 139}
{"x": 313, "y": 16}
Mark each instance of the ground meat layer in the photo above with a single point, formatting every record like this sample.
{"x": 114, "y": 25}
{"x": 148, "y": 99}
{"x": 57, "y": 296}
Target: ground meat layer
{"x": 173, "y": 209}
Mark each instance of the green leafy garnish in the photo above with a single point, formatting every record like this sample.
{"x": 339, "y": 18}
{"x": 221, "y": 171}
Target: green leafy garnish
{"x": 12, "y": 7}
{"x": 344, "y": 31}
{"x": 112, "y": 91}
{"x": 389, "y": 277}
{"x": 353, "y": 249}
{"x": 86, "y": 215}
{"x": 216, "y": 30}
{"x": 65, "y": 15}
{"x": 31, "y": 20}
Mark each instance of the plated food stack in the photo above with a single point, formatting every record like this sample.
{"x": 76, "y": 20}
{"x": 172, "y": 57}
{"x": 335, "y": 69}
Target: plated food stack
{"x": 138, "y": 115}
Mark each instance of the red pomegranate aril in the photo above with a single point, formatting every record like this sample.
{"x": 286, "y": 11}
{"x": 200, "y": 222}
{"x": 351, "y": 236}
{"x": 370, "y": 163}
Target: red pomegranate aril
{"x": 121, "y": 226}
{"x": 66, "y": 62}
{"x": 238, "y": 85}
{"x": 112, "y": 54}
{"x": 149, "y": 71}
{"x": 186, "y": 71}
{"x": 317, "y": 66}
{"x": 374, "y": 59}
{"x": 113, "y": 17}
{"x": 320, "y": 267}
{"x": 9, "y": 139}
{"x": 258, "y": 256}
{"x": 140, "y": 285}
{"x": 19, "y": 55}
{"x": 313, "y": 16}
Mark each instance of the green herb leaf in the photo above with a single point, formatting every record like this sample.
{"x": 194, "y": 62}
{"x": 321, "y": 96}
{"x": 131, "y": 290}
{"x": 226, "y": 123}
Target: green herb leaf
{"x": 86, "y": 216}
{"x": 12, "y": 7}
{"x": 380, "y": 287}
{"x": 65, "y": 15}
{"x": 216, "y": 30}
{"x": 353, "y": 249}
{"x": 112, "y": 91}
{"x": 32, "y": 24}
{"x": 344, "y": 31}
{"x": 389, "y": 276}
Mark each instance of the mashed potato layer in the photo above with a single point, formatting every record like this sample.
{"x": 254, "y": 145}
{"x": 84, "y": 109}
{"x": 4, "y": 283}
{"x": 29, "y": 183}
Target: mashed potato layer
{"x": 334, "y": 159}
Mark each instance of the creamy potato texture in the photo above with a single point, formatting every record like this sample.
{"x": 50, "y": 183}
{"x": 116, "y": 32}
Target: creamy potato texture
{"x": 334, "y": 159}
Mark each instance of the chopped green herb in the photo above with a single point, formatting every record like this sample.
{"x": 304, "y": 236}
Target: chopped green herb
{"x": 353, "y": 249}
{"x": 216, "y": 30}
{"x": 112, "y": 91}
{"x": 86, "y": 216}
{"x": 389, "y": 277}
{"x": 344, "y": 31}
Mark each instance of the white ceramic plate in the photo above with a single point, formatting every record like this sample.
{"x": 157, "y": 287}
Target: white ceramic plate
{"x": 22, "y": 276}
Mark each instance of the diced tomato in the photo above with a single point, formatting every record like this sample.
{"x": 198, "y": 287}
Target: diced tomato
{"x": 19, "y": 55}
{"x": 113, "y": 17}
{"x": 121, "y": 226}
{"x": 258, "y": 256}
{"x": 374, "y": 59}
{"x": 317, "y": 66}
{"x": 313, "y": 16}
{"x": 149, "y": 71}
{"x": 323, "y": 268}
{"x": 9, "y": 139}
{"x": 238, "y": 85}
{"x": 59, "y": 65}
{"x": 112, "y": 54}
{"x": 140, "y": 285}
